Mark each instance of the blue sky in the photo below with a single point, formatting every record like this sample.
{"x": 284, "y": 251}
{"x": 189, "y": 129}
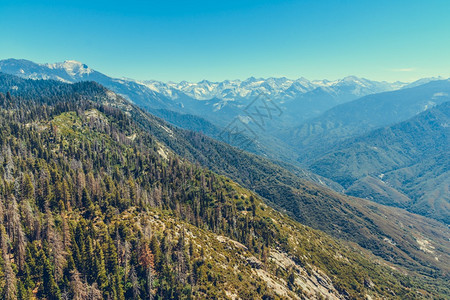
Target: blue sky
{"x": 217, "y": 40}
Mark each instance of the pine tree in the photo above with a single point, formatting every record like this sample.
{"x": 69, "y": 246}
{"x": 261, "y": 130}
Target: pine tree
{"x": 27, "y": 187}
{"x": 77, "y": 287}
{"x": 147, "y": 261}
{"x": 135, "y": 283}
{"x": 10, "y": 291}
{"x": 100, "y": 270}
{"x": 111, "y": 256}
{"x": 49, "y": 287}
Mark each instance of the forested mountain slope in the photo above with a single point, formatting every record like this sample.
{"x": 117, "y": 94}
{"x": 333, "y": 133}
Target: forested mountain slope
{"x": 92, "y": 207}
{"x": 371, "y": 226}
{"x": 219, "y": 102}
{"x": 409, "y": 162}
{"x": 364, "y": 222}
{"x": 349, "y": 120}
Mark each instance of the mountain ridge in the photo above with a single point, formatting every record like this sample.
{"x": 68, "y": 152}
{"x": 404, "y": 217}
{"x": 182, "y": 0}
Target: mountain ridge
{"x": 411, "y": 157}
{"x": 188, "y": 97}
{"x": 368, "y": 224}
{"x": 104, "y": 209}
{"x": 298, "y": 100}
{"x": 195, "y": 147}
{"x": 360, "y": 116}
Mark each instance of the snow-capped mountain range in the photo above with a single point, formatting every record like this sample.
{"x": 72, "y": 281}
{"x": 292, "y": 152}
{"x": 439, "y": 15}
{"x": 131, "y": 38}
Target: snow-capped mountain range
{"x": 280, "y": 88}
{"x": 68, "y": 71}
{"x": 217, "y": 102}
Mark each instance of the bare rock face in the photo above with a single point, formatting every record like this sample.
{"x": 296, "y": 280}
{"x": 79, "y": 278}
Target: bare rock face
{"x": 368, "y": 283}
{"x": 254, "y": 262}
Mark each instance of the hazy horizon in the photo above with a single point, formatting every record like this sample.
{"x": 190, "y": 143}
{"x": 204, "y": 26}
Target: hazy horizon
{"x": 232, "y": 79}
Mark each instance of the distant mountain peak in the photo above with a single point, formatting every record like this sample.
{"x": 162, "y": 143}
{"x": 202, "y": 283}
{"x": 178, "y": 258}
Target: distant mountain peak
{"x": 72, "y": 67}
{"x": 424, "y": 81}
{"x": 300, "y": 93}
{"x": 68, "y": 71}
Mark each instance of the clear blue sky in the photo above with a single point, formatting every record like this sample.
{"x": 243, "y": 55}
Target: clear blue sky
{"x": 216, "y": 40}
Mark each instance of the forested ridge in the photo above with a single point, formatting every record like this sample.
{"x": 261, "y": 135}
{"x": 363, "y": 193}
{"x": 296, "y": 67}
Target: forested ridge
{"x": 371, "y": 226}
{"x": 94, "y": 207}
{"x": 410, "y": 157}
{"x": 387, "y": 232}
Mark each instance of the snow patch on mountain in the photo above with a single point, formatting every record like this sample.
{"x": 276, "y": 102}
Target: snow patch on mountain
{"x": 280, "y": 88}
{"x": 72, "y": 67}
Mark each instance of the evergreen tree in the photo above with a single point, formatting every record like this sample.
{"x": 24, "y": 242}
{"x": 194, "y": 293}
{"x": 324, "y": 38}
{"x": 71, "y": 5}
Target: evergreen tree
{"x": 50, "y": 289}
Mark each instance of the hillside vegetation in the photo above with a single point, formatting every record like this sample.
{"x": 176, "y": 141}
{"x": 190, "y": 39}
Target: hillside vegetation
{"x": 366, "y": 223}
{"x": 405, "y": 165}
{"x": 93, "y": 206}
{"x": 315, "y": 137}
